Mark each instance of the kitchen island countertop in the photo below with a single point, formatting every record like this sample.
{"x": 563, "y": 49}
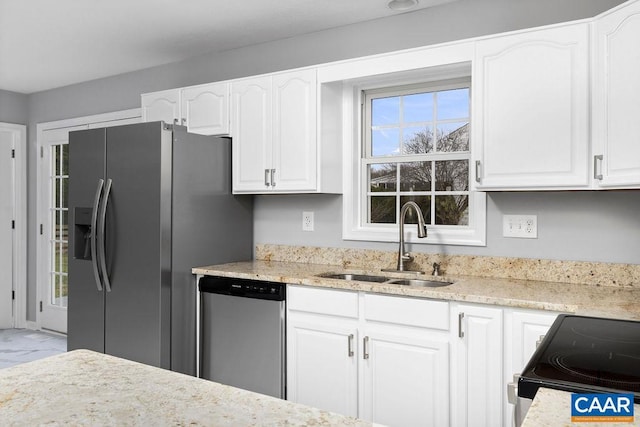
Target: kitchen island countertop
{"x": 82, "y": 387}
{"x": 582, "y": 299}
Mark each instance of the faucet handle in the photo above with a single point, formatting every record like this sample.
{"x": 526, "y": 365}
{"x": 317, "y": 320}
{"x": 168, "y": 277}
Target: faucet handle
{"x": 407, "y": 256}
{"x": 436, "y": 269}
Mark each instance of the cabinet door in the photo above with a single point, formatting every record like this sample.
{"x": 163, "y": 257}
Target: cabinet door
{"x": 164, "y": 105}
{"x": 616, "y": 136}
{"x": 531, "y": 111}
{"x": 479, "y": 388}
{"x": 294, "y": 130}
{"x": 523, "y": 329}
{"x": 321, "y": 364}
{"x": 251, "y": 122}
{"x": 206, "y": 109}
{"x": 405, "y": 379}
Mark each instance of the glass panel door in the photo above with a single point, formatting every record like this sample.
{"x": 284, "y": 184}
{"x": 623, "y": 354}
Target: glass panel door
{"x": 59, "y": 233}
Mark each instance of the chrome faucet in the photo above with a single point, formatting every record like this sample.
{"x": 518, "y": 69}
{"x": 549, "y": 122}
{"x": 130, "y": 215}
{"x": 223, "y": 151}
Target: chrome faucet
{"x": 422, "y": 232}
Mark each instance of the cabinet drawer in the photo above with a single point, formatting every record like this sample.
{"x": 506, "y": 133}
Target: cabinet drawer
{"x": 407, "y": 311}
{"x": 323, "y": 301}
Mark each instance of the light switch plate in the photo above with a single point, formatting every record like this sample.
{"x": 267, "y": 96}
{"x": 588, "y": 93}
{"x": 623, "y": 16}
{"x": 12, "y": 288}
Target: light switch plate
{"x": 520, "y": 226}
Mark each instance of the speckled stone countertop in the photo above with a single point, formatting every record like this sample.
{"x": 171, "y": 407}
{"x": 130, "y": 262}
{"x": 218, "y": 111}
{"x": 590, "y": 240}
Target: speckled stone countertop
{"x": 84, "y": 388}
{"x": 552, "y": 408}
{"x": 590, "y": 300}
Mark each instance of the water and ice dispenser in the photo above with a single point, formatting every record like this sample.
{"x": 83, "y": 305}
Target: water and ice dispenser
{"x": 82, "y": 234}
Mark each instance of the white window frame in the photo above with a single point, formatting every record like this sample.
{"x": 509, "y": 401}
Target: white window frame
{"x": 354, "y": 226}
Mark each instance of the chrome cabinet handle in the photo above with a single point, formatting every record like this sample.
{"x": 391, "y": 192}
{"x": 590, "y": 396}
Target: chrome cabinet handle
{"x": 460, "y": 331}
{"x": 478, "y": 169}
{"x": 101, "y": 236}
{"x": 350, "y": 345}
{"x": 94, "y": 231}
{"x": 273, "y": 177}
{"x": 184, "y": 121}
{"x": 266, "y": 177}
{"x": 597, "y": 159}
{"x": 365, "y": 348}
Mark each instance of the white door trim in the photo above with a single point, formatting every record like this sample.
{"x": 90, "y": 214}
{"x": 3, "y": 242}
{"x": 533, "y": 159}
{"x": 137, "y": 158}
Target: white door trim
{"x": 42, "y": 206}
{"x": 20, "y": 215}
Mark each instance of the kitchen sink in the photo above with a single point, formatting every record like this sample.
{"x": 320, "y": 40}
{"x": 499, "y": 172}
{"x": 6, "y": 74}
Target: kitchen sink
{"x": 383, "y": 279}
{"x": 419, "y": 282}
{"x": 360, "y": 277}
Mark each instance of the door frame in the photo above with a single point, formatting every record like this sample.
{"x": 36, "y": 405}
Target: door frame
{"x": 20, "y": 232}
{"x": 42, "y": 254}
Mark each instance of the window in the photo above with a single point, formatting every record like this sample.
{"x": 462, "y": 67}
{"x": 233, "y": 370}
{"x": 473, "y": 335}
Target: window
{"x": 59, "y": 233}
{"x": 415, "y": 146}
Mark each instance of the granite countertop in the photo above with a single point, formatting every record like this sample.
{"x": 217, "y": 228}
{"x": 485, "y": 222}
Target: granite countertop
{"x": 552, "y": 408}
{"x": 82, "y": 387}
{"x": 583, "y": 299}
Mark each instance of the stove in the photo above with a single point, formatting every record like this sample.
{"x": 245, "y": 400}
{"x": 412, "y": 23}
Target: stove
{"x": 585, "y": 355}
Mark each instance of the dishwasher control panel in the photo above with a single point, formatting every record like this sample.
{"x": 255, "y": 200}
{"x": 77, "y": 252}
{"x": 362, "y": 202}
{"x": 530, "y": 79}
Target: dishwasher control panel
{"x": 242, "y": 287}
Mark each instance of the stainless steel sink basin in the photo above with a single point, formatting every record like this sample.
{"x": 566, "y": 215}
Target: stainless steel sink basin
{"x": 360, "y": 277}
{"x": 383, "y": 279}
{"x": 419, "y": 282}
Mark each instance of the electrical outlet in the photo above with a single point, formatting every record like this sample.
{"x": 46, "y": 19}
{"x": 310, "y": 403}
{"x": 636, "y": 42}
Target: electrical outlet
{"x": 520, "y": 226}
{"x": 307, "y": 221}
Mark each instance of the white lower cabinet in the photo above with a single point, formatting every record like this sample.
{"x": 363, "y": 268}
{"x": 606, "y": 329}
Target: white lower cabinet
{"x": 477, "y": 379}
{"x": 321, "y": 371}
{"x": 524, "y": 329}
{"x": 373, "y": 359}
{"x": 404, "y": 361}
{"x": 405, "y": 378}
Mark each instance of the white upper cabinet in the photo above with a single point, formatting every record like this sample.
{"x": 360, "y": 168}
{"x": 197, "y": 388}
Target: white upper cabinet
{"x": 274, "y": 129}
{"x": 616, "y": 98}
{"x": 531, "y": 109}
{"x": 202, "y": 109}
{"x": 251, "y": 125}
{"x": 164, "y": 105}
{"x": 205, "y": 109}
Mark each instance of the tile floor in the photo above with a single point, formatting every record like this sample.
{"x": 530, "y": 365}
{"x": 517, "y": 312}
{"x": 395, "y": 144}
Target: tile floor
{"x": 25, "y": 345}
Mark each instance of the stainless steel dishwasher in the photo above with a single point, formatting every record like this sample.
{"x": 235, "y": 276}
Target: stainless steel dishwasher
{"x": 242, "y": 334}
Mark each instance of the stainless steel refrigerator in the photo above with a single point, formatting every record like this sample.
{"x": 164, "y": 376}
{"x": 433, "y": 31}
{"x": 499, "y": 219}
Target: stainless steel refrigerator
{"x": 147, "y": 202}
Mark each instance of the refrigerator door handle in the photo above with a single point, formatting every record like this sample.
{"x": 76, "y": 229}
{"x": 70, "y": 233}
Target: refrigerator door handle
{"x": 101, "y": 236}
{"x": 94, "y": 230}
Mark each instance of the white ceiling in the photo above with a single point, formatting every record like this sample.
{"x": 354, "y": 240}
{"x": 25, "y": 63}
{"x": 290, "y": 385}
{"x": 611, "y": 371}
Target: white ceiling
{"x": 46, "y": 44}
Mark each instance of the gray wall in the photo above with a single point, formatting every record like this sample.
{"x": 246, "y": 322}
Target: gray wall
{"x": 578, "y": 225}
{"x": 13, "y": 107}
{"x": 278, "y": 218}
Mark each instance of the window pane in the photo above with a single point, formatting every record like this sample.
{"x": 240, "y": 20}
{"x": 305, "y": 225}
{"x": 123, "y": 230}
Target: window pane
{"x": 65, "y": 160}
{"x": 453, "y": 137}
{"x": 385, "y": 142}
{"x": 385, "y": 111}
{"x": 417, "y": 140}
{"x": 55, "y": 158}
{"x": 415, "y": 176}
{"x": 453, "y": 104}
{"x": 452, "y": 210}
{"x": 425, "y": 206}
{"x": 382, "y": 209}
{"x": 382, "y": 177}
{"x": 417, "y": 108}
{"x": 452, "y": 175}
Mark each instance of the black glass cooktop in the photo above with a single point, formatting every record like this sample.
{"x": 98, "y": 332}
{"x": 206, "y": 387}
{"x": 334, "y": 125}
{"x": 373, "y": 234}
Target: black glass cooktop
{"x": 586, "y": 354}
